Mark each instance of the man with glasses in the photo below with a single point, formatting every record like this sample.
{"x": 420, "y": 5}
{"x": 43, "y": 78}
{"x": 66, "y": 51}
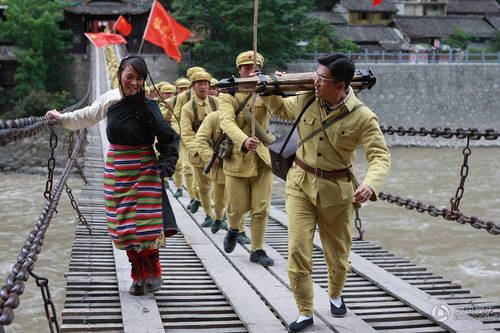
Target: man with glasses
{"x": 320, "y": 184}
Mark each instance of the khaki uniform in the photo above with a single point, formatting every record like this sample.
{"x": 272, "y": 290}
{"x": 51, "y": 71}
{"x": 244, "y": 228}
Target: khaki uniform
{"x": 192, "y": 188}
{"x": 174, "y": 122}
{"x": 209, "y": 133}
{"x": 327, "y": 202}
{"x": 248, "y": 174}
{"x": 203, "y": 107}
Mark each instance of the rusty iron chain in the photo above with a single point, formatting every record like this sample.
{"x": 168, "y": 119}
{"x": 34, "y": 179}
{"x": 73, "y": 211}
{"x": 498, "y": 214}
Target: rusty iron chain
{"x": 14, "y": 284}
{"x": 447, "y": 132}
{"x": 464, "y": 171}
{"x": 432, "y": 210}
{"x": 81, "y": 218}
{"x": 70, "y": 152}
{"x": 51, "y": 164}
{"x": 357, "y": 224}
{"x": 50, "y": 308}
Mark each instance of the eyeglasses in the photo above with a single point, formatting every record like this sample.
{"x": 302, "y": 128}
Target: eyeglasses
{"x": 321, "y": 79}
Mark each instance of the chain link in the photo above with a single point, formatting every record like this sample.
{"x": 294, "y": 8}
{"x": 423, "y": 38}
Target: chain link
{"x": 51, "y": 164}
{"x": 447, "y": 132}
{"x": 70, "y": 152}
{"x": 357, "y": 224}
{"x": 81, "y": 218}
{"x": 464, "y": 171}
{"x": 50, "y": 308}
{"x": 432, "y": 210}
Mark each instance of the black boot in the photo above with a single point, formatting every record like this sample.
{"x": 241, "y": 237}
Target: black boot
{"x": 261, "y": 257}
{"x": 230, "y": 240}
{"x": 137, "y": 288}
{"x": 152, "y": 284}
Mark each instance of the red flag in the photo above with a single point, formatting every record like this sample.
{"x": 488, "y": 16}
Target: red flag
{"x": 100, "y": 39}
{"x": 376, "y": 2}
{"x": 163, "y": 31}
{"x": 122, "y": 26}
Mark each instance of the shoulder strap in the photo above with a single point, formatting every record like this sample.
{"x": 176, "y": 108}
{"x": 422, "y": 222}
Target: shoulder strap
{"x": 195, "y": 111}
{"x": 241, "y": 105}
{"x": 175, "y": 100}
{"x": 189, "y": 94}
{"x": 212, "y": 103}
{"x": 328, "y": 124}
{"x": 308, "y": 104}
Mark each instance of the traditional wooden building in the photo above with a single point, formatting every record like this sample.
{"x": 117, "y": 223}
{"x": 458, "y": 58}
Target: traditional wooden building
{"x": 8, "y": 64}
{"x": 421, "y": 7}
{"x": 95, "y": 15}
{"x": 362, "y": 12}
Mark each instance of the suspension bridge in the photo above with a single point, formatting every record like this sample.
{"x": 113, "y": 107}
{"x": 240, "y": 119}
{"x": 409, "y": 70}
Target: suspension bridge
{"x": 205, "y": 289}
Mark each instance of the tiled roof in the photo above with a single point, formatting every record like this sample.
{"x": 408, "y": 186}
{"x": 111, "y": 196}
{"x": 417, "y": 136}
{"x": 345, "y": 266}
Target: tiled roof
{"x": 482, "y": 7}
{"x": 388, "y": 38}
{"x": 442, "y": 26}
{"x": 106, "y": 8}
{"x": 494, "y": 20}
{"x": 333, "y": 18}
{"x": 7, "y": 52}
{"x": 366, "y": 6}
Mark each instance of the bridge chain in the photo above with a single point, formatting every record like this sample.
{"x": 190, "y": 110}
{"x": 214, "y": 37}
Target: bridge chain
{"x": 51, "y": 164}
{"x": 447, "y": 132}
{"x": 14, "y": 284}
{"x": 459, "y": 217}
{"x": 50, "y": 308}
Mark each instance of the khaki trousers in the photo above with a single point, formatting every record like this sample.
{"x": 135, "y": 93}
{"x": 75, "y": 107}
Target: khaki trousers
{"x": 334, "y": 224}
{"x": 203, "y": 184}
{"x": 250, "y": 194}
{"x": 219, "y": 198}
{"x": 188, "y": 175}
{"x": 178, "y": 174}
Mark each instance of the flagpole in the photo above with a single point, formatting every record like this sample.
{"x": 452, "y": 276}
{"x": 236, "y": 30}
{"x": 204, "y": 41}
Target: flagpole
{"x": 147, "y": 25}
{"x": 254, "y": 95}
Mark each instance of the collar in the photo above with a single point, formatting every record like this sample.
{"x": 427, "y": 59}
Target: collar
{"x": 336, "y": 106}
{"x": 201, "y": 102}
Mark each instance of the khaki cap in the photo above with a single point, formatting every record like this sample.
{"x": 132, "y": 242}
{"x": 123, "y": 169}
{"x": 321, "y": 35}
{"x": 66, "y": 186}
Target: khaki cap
{"x": 200, "y": 76}
{"x": 246, "y": 57}
{"x": 213, "y": 81}
{"x": 182, "y": 82}
{"x": 193, "y": 70}
{"x": 167, "y": 88}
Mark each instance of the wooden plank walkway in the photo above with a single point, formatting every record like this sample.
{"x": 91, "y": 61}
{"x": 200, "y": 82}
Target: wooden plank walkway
{"x": 207, "y": 290}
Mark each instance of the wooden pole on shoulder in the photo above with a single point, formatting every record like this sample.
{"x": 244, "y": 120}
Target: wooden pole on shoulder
{"x": 254, "y": 95}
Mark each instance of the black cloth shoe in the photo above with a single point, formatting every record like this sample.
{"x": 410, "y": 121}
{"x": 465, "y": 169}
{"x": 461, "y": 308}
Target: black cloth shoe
{"x": 230, "y": 240}
{"x": 261, "y": 257}
{"x": 152, "y": 284}
{"x": 178, "y": 193}
{"x": 137, "y": 288}
{"x": 297, "y": 327}
{"x": 195, "y": 205}
{"x": 190, "y": 204}
{"x": 207, "y": 222}
{"x": 338, "y": 311}
{"x": 216, "y": 226}
{"x": 243, "y": 238}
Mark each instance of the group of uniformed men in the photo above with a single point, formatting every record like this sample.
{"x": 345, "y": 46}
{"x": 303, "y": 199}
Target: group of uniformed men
{"x": 320, "y": 188}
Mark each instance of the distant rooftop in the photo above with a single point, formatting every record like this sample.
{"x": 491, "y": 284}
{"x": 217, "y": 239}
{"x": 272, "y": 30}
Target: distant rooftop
{"x": 389, "y": 39}
{"x": 366, "y": 6}
{"x": 333, "y": 18}
{"x": 7, "y": 52}
{"x": 106, "y": 8}
{"x": 481, "y": 7}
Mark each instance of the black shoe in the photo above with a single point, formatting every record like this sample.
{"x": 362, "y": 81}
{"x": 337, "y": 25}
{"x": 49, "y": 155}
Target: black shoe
{"x": 261, "y": 257}
{"x": 230, "y": 240}
{"x": 152, "y": 284}
{"x": 216, "y": 226}
{"x": 207, "y": 222}
{"x": 243, "y": 238}
{"x": 178, "y": 193}
{"x": 137, "y": 288}
{"x": 167, "y": 185}
{"x": 195, "y": 205}
{"x": 338, "y": 311}
{"x": 297, "y": 327}
{"x": 188, "y": 207}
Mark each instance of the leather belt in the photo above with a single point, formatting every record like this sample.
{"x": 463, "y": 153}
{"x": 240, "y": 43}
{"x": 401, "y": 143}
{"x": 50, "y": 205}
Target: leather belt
{"x": 322, "y": 173}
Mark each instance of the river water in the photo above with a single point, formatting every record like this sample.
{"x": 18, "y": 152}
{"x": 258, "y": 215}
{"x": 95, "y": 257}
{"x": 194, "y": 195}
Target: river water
{"x": 431, "y": 175}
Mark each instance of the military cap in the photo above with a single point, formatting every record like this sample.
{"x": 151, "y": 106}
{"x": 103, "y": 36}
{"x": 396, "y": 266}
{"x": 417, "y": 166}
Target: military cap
{"x": 182, "y": 82}
{"x": 193, "y": 70}
{"x": 213, "y": 81}
{"x": 167, "y": 88}
{"x": 200, "y": 76}
{"x": 246, "y": 57}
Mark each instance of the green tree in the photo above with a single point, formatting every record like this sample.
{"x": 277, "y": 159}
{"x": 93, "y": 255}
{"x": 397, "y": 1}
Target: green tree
{"x": 34, "y": 26}
{"x": 229, "y": 30}
{"x": 346, "y": 45}
{"x": 460, "y": 39}
{"x": 2, "y": 97}
{"x": 495, "y": 41}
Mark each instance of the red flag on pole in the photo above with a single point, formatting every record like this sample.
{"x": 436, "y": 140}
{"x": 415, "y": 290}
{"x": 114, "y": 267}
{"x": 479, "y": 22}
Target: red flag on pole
{"x": 122, "y": 26}
{"x": 100, "y": 39}
{"x": 376, "y": 2}
{"x": 163, "y": 31}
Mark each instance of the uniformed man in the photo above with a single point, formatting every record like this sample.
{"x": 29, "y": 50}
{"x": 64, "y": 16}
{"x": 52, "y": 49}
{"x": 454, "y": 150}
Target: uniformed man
{"x": 248, "y": 172}
{"x": 327, "y": 197}
{"x": 192, "y": 115}
{"x": 208, "y": 137}
{"x": 213, "y": 90}
{"x": 167, "y": 90}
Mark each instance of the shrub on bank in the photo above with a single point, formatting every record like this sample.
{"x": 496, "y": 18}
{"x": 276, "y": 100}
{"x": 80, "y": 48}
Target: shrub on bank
{"x": 37, "y": 103}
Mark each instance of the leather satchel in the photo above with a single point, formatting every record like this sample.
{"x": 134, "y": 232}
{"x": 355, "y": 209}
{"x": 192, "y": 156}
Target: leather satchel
{"x": 282, "y": 154}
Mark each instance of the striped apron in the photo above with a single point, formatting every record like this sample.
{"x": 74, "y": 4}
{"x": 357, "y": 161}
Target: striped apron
{"x": 133, "y": 194}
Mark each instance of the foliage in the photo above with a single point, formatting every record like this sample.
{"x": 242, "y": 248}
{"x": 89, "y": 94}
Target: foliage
{"x": 229, "y": 25}
{"x": 37, "y": 103}
{"x": 460, "y": 39}
{"x": 495, "y": 41}
{"x": 346, "y": 45}
{"x": 2, "y": 97}
{"x": 34, "y": 26}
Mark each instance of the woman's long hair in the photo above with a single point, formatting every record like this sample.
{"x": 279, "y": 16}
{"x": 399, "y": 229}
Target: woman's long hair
{"x": 139, "y": 65}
